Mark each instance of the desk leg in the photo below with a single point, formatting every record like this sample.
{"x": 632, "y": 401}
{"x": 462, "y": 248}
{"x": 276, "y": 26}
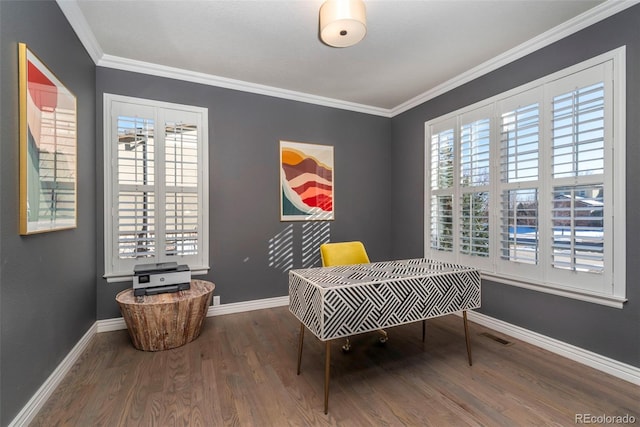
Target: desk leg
{"x": 466, "y": 336}
{"x": 424, "y": 329}
{"x": 327, "y": 364}
{"x": 300, "y": 340}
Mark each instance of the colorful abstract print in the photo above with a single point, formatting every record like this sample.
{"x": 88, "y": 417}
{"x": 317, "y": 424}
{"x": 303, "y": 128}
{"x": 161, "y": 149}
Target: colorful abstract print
{"x": 51, "y": 149}
{"x": 307, "y": 181}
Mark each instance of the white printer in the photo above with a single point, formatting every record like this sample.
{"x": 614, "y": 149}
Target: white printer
{"x": 150, "y": 279}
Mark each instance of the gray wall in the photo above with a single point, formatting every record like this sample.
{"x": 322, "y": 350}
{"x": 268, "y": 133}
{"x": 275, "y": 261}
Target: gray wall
{"x": 47, "y": 281}
{"x": 51, "y": 286}
{"x": 244, "y": 134}
{"x": 607, "y": 331}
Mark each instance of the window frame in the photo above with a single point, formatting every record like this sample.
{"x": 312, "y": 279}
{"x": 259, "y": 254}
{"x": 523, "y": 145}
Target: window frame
{"x": 117, "y": 269}
{"x": 612, "y": 292}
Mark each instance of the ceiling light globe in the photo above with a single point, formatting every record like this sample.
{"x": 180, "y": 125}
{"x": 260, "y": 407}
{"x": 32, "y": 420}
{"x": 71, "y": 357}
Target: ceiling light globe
{"x": 343, "y": 23}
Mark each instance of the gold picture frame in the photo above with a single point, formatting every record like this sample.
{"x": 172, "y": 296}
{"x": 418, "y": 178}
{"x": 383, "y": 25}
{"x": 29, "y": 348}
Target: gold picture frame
{"x": 48, "y": 148}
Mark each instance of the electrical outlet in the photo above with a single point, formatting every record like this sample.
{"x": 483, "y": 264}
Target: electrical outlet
{"x": 216, "y": 300}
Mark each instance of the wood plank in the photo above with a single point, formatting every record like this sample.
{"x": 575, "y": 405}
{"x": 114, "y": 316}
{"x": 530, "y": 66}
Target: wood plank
{"x": 242, "y": 371}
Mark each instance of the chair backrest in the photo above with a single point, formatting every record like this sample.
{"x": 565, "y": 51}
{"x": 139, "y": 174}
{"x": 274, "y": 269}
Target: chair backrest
{"x": 343, "y": 253}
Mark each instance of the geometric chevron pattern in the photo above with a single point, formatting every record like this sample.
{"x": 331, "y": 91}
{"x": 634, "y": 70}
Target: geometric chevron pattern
{"x": 334, "y": 302}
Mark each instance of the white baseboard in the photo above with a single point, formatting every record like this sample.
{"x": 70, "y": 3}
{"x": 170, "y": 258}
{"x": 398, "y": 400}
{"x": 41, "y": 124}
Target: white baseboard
{"x": 238, "y": 307}
{"x": 30, "y": 410}
{"x": 109, "y": 325}
{"x": 601, "y": 363}
{"x": 118, "y": 323}
{"x": 577, "y": 354}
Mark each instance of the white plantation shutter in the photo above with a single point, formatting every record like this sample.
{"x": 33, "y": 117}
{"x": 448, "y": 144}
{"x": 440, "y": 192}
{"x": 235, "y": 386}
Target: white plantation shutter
{"x": 580, "y": 225}
{"x": 578, "y": 132}
{"x": 578, "y": 153}
{"x": 135, "y": 201}
{"x": 158, "y": 185}
{"x": 442, "y": 223}
{"x": 519, "y": 239}
{"x": 519, "y": 144}
{"x": 442, "y": 160}
{"x": 474, "y": 179}
{"x": 474, "y": 224}
{"x": 520, "y": 132}
{"x": 442, "y": 173}
{"x": 181, "y": 194}
{"x": 578, "y": 238}
{"x": 136, "y": 224}
{"x": 474, "y": 153}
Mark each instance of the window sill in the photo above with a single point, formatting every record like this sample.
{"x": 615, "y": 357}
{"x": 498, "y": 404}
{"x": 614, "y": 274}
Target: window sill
{"x": 582, "y": 295}
{"x": 127, "y": 277}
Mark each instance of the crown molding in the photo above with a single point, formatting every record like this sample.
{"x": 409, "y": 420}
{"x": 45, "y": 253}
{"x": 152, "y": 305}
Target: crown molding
{"x": 125, "y": 64}
{"x": 77, "y": 21}
{"x": 590, "y": 17}
{"x": 74, "y": 15}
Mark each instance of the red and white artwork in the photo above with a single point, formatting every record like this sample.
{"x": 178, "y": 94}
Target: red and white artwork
{"x": 48, "y": 143}
{"x": 306, "y": 181}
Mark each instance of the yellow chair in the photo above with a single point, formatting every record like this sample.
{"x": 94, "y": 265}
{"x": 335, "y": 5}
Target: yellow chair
{"x": 343, "y": 253}
{"x": 346, "y": 253}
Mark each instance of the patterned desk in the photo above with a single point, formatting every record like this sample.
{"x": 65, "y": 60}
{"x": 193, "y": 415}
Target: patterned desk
{"x": 335, "y": 302}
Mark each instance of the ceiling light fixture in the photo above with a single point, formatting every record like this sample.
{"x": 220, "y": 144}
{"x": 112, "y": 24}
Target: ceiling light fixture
{"x": 343, "y": 23}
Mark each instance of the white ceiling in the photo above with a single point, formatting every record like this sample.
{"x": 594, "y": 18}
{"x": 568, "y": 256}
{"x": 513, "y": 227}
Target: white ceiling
{"x": 412, "y": 49}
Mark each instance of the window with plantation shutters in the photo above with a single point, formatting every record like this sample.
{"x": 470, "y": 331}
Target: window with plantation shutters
{"x": 155, "y": 185}
{"x": 526, "y": 185}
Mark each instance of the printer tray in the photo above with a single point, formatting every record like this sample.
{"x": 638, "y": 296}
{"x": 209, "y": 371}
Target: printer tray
{"x": 162, "y": 289}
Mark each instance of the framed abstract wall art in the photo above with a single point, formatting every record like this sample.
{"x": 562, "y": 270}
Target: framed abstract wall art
{"x": 48, "y": 148}
{"x": 306, "y": 182}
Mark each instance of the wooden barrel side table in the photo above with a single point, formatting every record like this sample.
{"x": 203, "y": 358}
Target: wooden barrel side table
{"x": 165, "y": 321}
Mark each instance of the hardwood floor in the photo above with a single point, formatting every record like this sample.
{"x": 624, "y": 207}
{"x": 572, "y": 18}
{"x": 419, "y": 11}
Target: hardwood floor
{"x": 242, "y": 371}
